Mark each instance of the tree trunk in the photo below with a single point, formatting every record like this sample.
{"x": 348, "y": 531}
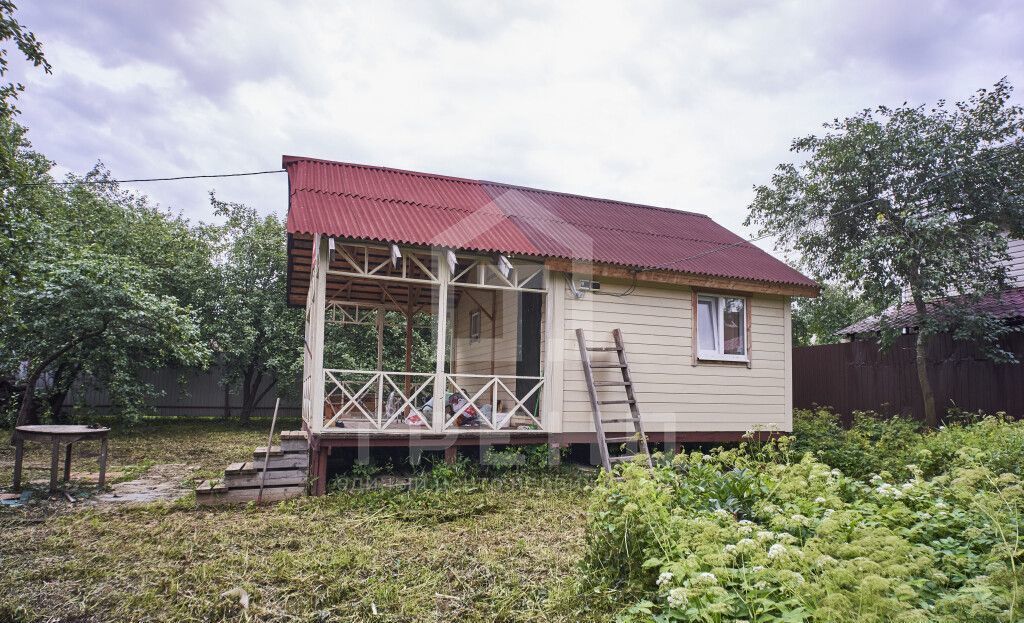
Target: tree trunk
{"x": 27, "y": 413}
{"x": 56, "y": 402}
{"x": 250, "y": 386}
{"x": 244, "y": 411}
{"x": 931, "y": 417}
{"x": 227, "y": 402}
{"x": 63, "y": 378}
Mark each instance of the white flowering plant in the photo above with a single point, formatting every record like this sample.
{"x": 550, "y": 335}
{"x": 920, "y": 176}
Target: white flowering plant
{"x": 758, "y": 534}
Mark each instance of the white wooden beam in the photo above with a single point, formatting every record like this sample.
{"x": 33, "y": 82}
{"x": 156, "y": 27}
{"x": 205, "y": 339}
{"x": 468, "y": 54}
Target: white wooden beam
{"x": 440, "y": 383}
{"x": 317, "y": 320}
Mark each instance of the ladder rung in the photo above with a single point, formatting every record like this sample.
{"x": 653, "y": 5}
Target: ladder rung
{"x": 616, "y": 402}
{"x": 621, "y": 458}
{"x": 604, "y": 349}
{"x": 607, "y": 365}
{"x": 611, "y": 383}
{"x": 617, "y": 420}
{"x": 630, "y": 439}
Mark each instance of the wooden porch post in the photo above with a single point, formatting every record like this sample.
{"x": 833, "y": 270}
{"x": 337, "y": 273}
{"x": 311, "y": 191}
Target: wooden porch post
{"x": 380, "y": 340}
{"x": 440, "y": 384}
{"x": 318, "y": 281}
{"x": 554, "y": 350}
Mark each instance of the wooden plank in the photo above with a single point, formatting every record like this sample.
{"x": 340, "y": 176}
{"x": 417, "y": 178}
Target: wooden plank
{"x": 681, "y": 279}
{"x": 634, "y": 408}
{"x": 241, "y": 496}
{"x": 275, "y": 478}
{"x": 287, "y": 461}
{"x": 595, "y": 404}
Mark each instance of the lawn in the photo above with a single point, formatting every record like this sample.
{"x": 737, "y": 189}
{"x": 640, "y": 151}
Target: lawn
{"x": 503, "y": 549}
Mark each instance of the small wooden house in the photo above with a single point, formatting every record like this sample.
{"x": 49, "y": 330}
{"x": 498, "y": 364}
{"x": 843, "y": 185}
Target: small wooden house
{"x": 501, "y": 276}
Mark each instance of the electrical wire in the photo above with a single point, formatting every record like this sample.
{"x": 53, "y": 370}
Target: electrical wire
{"x": 626, "y": 292}
{"x": 150, "y": 179}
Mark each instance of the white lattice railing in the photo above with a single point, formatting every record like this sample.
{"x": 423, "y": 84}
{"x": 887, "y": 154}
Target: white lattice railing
{"x": 490, "y": 396}
{"x": 374, "y": 400}
{"x": 371, "y": 400}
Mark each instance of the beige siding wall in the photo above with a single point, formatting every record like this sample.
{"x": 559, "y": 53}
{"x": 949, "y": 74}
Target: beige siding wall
{"x": 1015, "y": 266}
{"x": 673, "y": 394}
{"x": 474, "y": 356}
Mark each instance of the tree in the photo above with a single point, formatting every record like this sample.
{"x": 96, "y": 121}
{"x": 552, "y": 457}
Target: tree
{"x": 19, "y": 166}
{"x": 905, "y": 199}
{"x": 91, "y": 226}
{"x": 30, "y": 47}
{"x": 258, "y": 336}
{"x": 98, "y": 310}
{"x": 26, "y": 191}
{"x": 819, "y": 320}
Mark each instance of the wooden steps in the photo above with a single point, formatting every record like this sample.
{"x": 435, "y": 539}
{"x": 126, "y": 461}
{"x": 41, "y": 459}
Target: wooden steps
{"x": 286, "y": 475}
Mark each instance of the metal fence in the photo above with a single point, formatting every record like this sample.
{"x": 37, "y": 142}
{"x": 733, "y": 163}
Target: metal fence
{"x": 858, "y": 376}
{"x": 187, "y": 392}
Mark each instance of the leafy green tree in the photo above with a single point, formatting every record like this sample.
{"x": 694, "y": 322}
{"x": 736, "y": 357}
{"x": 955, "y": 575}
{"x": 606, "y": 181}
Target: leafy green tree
{"x": 819, "y": 320}
{"x": 26, "y": 192}
{"x": 905, "y": 199}
{"x": 90, "y": 225}
{"x": 19, "y": 166}
{"x": 100, "y": 308}
{"x": 12, "y": 31}
{"x": 258, "y": 336}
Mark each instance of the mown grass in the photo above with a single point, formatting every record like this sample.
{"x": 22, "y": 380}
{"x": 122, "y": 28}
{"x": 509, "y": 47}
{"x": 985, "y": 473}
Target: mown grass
{"x": 207, "y": 444}
{"x": 501, "y": 549}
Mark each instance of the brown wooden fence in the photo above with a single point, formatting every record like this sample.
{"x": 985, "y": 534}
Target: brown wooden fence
{"x": 858, "y": 376}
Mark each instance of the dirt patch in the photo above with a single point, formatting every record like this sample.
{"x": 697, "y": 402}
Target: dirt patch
{"x": 160, "y": 482}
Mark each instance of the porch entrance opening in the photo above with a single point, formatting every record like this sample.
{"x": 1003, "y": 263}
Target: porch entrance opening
{"x": 424, "y": 341}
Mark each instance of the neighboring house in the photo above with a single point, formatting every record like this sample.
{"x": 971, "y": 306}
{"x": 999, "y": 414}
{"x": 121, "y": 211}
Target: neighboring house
{"x": 1007, "y": 305}
{"x": 506, "y": 275}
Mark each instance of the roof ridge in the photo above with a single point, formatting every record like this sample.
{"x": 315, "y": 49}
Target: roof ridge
{"x": 521, "y": 216}
{"x": 286, "y": 160}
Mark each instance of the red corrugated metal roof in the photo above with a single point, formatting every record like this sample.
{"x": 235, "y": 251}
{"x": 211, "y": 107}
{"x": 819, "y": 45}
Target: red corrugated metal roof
{"x": 376, "y": 203}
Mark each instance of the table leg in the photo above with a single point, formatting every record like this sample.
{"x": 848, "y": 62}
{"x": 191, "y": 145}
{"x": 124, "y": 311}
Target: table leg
{"x": 67, "y": 465}
{"x": 54, "y": 464}
{"x": 103, "y": 462}
{"x": 19, "y": 454}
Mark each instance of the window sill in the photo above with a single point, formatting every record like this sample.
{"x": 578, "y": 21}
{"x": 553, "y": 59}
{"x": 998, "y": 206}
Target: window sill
{"x": 741, "y": 361}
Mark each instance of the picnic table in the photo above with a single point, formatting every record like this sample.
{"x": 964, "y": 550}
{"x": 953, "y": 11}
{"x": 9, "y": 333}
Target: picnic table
{"x": 55, "y": 435}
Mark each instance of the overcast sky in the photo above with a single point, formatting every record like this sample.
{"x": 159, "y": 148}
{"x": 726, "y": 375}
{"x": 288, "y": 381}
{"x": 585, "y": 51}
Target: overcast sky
{"x": 679, "y": 104}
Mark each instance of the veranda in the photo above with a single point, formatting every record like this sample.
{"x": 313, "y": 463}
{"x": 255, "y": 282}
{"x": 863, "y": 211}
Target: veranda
{"x": 486, "y": 315}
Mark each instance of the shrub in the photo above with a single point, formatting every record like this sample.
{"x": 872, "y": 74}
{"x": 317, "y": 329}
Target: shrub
{"x": 873, "y": 444}
{"x": 876, "y": 444}
{"x": 765, "y": 534}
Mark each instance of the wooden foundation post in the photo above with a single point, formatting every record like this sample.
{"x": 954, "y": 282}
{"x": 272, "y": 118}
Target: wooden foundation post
{"x": 554, "y": 454}
{"x": 320, "y": 471}
{"x": 450, "y": 454}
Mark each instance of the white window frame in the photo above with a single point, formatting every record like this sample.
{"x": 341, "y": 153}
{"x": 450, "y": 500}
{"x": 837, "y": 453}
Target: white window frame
{"x": 719, "y": 353}
{"x": 474, "y": 331}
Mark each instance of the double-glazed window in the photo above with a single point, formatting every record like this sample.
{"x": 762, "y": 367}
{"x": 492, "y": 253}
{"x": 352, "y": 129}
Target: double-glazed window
{"x": 721, "y": 328}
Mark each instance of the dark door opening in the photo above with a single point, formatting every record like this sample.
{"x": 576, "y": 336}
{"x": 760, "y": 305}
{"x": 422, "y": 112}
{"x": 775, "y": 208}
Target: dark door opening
{"x": 528, "y": 346}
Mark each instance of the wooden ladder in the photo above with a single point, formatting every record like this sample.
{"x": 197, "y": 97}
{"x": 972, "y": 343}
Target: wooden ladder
{"x": 639, "y": 436}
